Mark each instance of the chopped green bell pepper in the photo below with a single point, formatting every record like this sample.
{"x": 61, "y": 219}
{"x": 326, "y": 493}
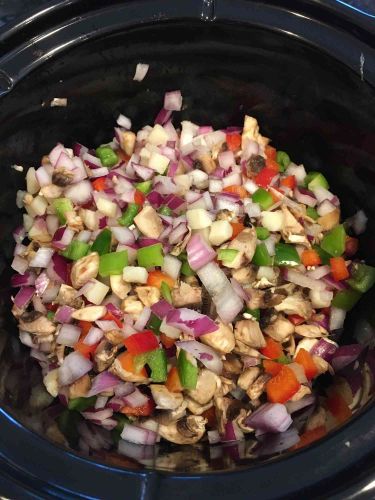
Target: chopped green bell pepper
{"x": 187, "y": 372}
{"x": 156, "y": 361}
{"x": 334, "y": 241}
{"x": 286, "y": 255}
{"x": 263, "y": 198}
{"x": 122, "y": 420}
{"x": 186, "y": 270}
{"x": 81, "y": 404}
{"x": 144, "y": 187}
{"x": 166, "y": 292}
{"x": 150, "y": 256}
{"x": 346, "y": 299}
{"x": 61, "y": 206}
{"x": 154, "y": 323}
{"x": 107, "y": 156}
{"x": 324, "y": 256}
{"x": 283, "y": 159}
{"x": 312, "y": 212}
{"x": 112, "y": 263}
{"x": 164, "y": 210}
{"x": 253, "y": 312}
{"x": 50, "y": 315}
{"x": 68, "y": 422}
{"x": 262, "y": 233}
{"x": 227, "y": 254}
{"x": 261, "y": 256}
{"x": 102, "y": 243}
{"x": 316, "y": 179}
{"x": 76, "y": 250}
{"x": 284, "y": 360}
{"x": 362, "y": 277}
{"x": 127, "y": 217}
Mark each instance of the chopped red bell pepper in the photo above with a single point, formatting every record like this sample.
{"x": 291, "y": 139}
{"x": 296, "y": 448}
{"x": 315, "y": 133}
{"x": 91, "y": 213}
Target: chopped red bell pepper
{"x": 310, "y": 258}
{"x": 272, "y": 350}
{"x": 238, "y": 190}
{"x": 233, "y": 141}
{"x": 295, "y": 319}
{"x": 282, "y": 386}
{"x": 289, "y": 182}
{"x": 270, "y": 152}
{"x": 265, "y": 177}
{"x": 139, "y": 198}
{"x": 273, "y": 165}
{"x": 99, "y": 184}
{"x": 111, "y": 317}
{"x": 237, "y": 227}
{"x": 271, "y": 367}
{"x": 305, "y": 359}
{"x": 338, "y": 407}
{"x": 139, "y": 411}
{"x": 141, "y": 342}
{"x": 339, "y": 270}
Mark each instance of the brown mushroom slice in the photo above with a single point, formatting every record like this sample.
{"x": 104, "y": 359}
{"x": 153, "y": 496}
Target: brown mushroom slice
{"x": 148, "y": 295}
{"x": 330, "y": 220}
{"x": 196, "y": 408}
{"x": 165, "y": 399}
{"x": 67, "y": 296}
{"x": 248, "y": 377}
{"x": 37, "y": 323}
{"x": 280, "y": 329}
{"x": 80, "y": 387}
{"x": 188, "y": 430}
{"x": 186, "y": 295}
{"x": 256, "y": 300}
{"x": 240, "y": 421}
{"x": 221, "y": 407}
{"x": 311, "y": 331}
{"x": 104, "y": 355}
{"x": 232, "y": 366}
{"x": 244, "y": 349}
{"x": 132, "y": 306}
{"x": 89, "y": 313}
{"x": 226, "y": 386}
{"x": 295, "y": 304}
{"x": 245, "y": 243}
{"x": 317, "y": 419}
{"x": 301, "y": 393}
{"x": 258, "y": 387}
{"x": 321, "y": 364}
{"x": 84, "y": 269}
{"x": 115, "y": 337}
{"x": 166, "y": 417}
{"x": 249, "y": 332}
{"x": 222, "y": 340}
{"x": 118, "y": 370}
{"x": 207, "y": 385}
{"x": 244, "y": 275}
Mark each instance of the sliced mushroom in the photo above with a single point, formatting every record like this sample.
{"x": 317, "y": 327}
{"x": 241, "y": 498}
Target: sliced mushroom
{"x": 207, "y": 385}
{"x": 226, "y": 386}
{"x": 74, "y": 221}
{"x": 80, "y": 387}
{"x": 257, "y": 388}
{"x": 115, "y": 336}
{"x": 301, "y": 393}
{"x": 295, "y": 304}
{"x": 164, "y": 399}
{"x": 119, "y": 286}
{"x": 249, "y": 332}
{"x": 127, "y": 141}
{"x": 245, "y": 243}
{"x": 290, "y": 224}
{"x": 232, "y": 366}
{"x": 51, "y": 191}
{"x": 244, "y": 349}
{"x": 196, "y": 408}
{"x": 221, "y": 408}
{"x": 104, "y": 355}
{"x": 244, "y": 275}
{"x": 149, "y": 222}
{"x": 118, "y": 370}
{"x": 62, "y": 177}
{"x": 166, "y": 417}
{"x": 35, "y": 322}
{"x": 186, "y": 295}
{"x": 132, "y": 306}
{"x": 317, "y": 419}
{"x": 67, "y": 297}
{"x": 280, "y": 329}
{"x": 84, "y": 269}
{"x": 90, "y": 313}
{"x": 51, "y": 382}
{"x": 256, "y": 299}
{"x": 148, "y": 295}
{"x": 222, "y": 340}
{"x": 321, "y": 364}
{"x": 248, "y": 377}
{"x": 240, "y": 421}
{"x": 311, "y": 331}
{"x": 330, "y": 220}
{"x": 206, "y": 163}
{"x": 306, "y": 344}
{"x": 188, "y": 430}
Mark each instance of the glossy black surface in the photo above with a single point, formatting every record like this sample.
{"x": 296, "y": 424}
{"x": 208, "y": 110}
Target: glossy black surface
{"x": 229, "y": 58}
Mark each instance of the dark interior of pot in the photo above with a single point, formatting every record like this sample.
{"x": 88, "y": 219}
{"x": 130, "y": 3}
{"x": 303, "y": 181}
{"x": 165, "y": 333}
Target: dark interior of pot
{"x": 311, "y": 105}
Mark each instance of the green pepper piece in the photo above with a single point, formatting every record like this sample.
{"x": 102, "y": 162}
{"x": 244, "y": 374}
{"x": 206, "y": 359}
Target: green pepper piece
{"x": 362, "y": 277}
{"x": 81, "y": 404}
{"x": 76, "y": 250}
{"x": 187, "y": 372}
{"x": 227, "y": 254}
{"x": 312, "y": 213}
{"x": 157, "y": 362}
{"x": 68, "y": 422}
{"x": 283, "y": 159}
{"x": 102, "y": 243}
{"x": 253, "y": 312}
{"x": 262, "y": 233}
{"x": 164, "y": 210}
{"x": 50, "y": 315}
{"x": 61, "y": 206}
{"x": 346, "y": 299}
{"x": 334, "y": 241}
{"x": 316, "y": 179}
{"x": 144, "y": 187}
{"x": 261, "y": 256}
{"x": 127, "y": 217}
{"x": 286, "y": 255}
{"x": 186, "y": 270}
{"x": 263, "y": 198}
{"x": 154, "y": 323}
{"x": 284, "y": 360}
{"x": 324, "y": 256}
{"x": 166, "y": 292}
{"x": 112, "y": 263}
{"x": 107, "y": 156}
{"x": 150, "y": 256}
{"x": 122, "y": 420}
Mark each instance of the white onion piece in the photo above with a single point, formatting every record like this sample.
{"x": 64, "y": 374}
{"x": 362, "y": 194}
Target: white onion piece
{"x": 142, "y": 319}
{"x": 336, "y": 319}
{"x": 93, "y": 336}
{"x": 68, "y": 335}
{"x": 140, "y": 72}
{"x": 124, "y": 122}
{"x": 19, "y": 264}
{"x": 42, "y": 257}
{"x": 171, "y": 266}
{"x": 79, "y": 193}
{"x": 326, "y": 207}
{"x": 138, "y": 435}
{"x": 318, "y": 272}
{"x": 302, "y": 280}
{"x": 74, "y": 367}
{"x": 173, "y": 101}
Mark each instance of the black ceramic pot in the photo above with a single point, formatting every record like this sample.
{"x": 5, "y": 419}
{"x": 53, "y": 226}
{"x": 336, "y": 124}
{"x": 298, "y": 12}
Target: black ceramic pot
{"x": 307, "y": 72}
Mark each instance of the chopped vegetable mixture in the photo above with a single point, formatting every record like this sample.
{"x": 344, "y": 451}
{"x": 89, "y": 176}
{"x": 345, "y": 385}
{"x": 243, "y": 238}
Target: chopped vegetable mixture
{"x": 188, "y": 284}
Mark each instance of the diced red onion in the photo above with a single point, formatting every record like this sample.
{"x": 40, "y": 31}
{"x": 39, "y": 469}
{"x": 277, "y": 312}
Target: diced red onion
{"x": 324, "y": 349}
{"x": 178, "y": 233}
{"x": 124, "y": 122}
{"x": 171, "y": 266}
{"x": 226, "y": 159}
{"x": 106, "y": 325}
{"x": 97, "y": 415}
{"x": 24, "y": 296}
{"x": 345, "y": 355}
{"x": 251, "y": 148}
{"x": 68, "y": 335}
{"x": 322, "y": 194}
{"x": 332, "y": 284}
{"x": 19, "y": 234}
{"x": 123, "y": 235}
{"x": 64, "y": 314}
{"x": 239, "y": 290}
{"x": 162, "y": 308}
{"x": 74, "y": 367}
{"x": 91, "y": 161}
{"x": 270, "y": 417}
{"x": 79, "y": 193}
{"x": 93, "y": 336}
{"x": 100, "y": 402}
{"x": 27, "y": 279}
{"x": 162, "y": 117}
{"x": 203, "y": 353}
{"x": 19, "y": 264}
{"x": 103, "y": 382}
{"x": 302, "y": 280}
{"x": 143, "y": 319}
{"x": 319, "y": 272}
{"x": 190, "y": 321}
{"x": 199, "y": 253}
{"x": 138, "y": 435}
{"x": 143, "y": 172}
{"x": 50, "y": 294}
{"x": 62, "y": 238}
{"x": 135, "y": 399}
{"x": 123, "y": 389}
{"x": 41, "y": 283}
{"x": 173, "y": 100}
{"x": 305, "y": 196}
{"x": 250, "y": 361}
{"x": 42, "y": 257}
{"x": 79, "y": 149}
{"x": 54, "y": 155}
{"x": 99, "y": 172}
{"x": 325, "y": 208}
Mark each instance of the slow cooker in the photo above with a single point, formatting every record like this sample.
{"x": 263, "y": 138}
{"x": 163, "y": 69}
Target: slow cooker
{"x": 306, "y": 70}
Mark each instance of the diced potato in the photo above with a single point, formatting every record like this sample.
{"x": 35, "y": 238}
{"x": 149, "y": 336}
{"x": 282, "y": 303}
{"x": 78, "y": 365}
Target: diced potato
{"x": 273, "y": 221}
{"x": 97, "y": 292}
{"x": 158, "y": 162}
{"x": 158, "y": 136}
{"x": 134, "y": 274}
{"x": 220, "y": 231}
{"x": 198, "y": 218}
